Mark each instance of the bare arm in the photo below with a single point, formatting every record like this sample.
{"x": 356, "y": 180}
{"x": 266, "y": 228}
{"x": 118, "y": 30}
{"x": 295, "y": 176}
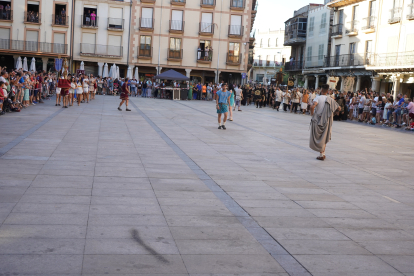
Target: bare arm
{"x": 312, "y": 109}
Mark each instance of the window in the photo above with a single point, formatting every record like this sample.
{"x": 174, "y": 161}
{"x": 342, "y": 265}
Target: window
{"x": 352, "y": 48}
{"x": 7, "y": 12}
{"x": 145, "y": 46}
{"x": 177, "y": 20}
{"x": 234, "y": 52}
{"x": 175, "y": 44}
{"x": 323, "y": 23}
{"x": 33, "y": 13}
{"x": 259, "y": 77}
{"x": 115, "y": 45}
{"x": 32, "y": 37}
{"x": 311, "y": 25}
{"x": 309, "y": 54}
{"x": 59, "y": 18}
{"x": 59, "y": 43}
{"x": 89, "y": 17}
{"x": 116, "y": 21}
{"x": 341, "y": 17}
{"x": 368, "y": 49}
{"x": 204, "y": 52}
{"x": 268, "y": 60}
{"x": 320, "y": 51}
{"x": 206, "y": 22}
{"x": 354, "y": 23}
{"x": 276, "y": 42}
{"x": 269, "y": 43}
{"x": 372, "y": 7}
{"x": 261, "y": 43}
{"x": 235, "y": 25}
{"x": 146, "y": 19}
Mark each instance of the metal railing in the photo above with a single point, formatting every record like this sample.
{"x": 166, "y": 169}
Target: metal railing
{"x": 236, "y": 30}
{"x": 294, "y": 65}
{"x": 237, "y": 4}
{"x": 145, "y": 50}
{"x": 32, "y": 17}
{"x": 147, "y": 1}
{"x": 60, "y": 20}
{"x": 205, "y": 55}
{"x": 115, "y": 23}
{"x": 177, "y": 26}
{"x": 208, "y": 3}
{"x": 146, "y": 23}
{"x": 337, "y": 29}
{"x": 33, "y": 46}
{"x": 368, "y": 23}
{"x": 352, "y": 27}
{"x": 395, "y": 15}
{"x": 233, "y": 59}
{"x": 88, "y": 22}
{"x": 294, "y": 35}
{"x": 175, "y": 54}
{"x": 269, "y": 63}
{"x": 314, "y": 62}
{"x": 392, "y": 59}
{"x": 345, "y": 60}
{"x": 206, "y": 28}
{"x": 178, "y": 2}
{"x": 7, "y": 15}
{"x": 101, "y": 50}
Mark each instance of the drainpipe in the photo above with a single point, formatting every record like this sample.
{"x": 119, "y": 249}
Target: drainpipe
{"x": 159, "y": 41}
{"x": 129, "y": 31}
{"x": 71, "y": 36}
{"x": 218, "y": 52}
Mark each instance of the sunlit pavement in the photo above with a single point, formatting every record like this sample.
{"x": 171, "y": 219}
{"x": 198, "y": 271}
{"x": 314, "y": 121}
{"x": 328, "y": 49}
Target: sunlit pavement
{"x": 160, "y": 190}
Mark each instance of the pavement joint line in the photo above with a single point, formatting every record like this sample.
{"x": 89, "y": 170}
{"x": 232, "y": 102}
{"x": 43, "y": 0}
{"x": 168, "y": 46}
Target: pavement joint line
{"x": 393, "y": 200}
{"x": 277, "y": 251}
{"x": 306, "y": 149}
{"x": 19, "y": 139}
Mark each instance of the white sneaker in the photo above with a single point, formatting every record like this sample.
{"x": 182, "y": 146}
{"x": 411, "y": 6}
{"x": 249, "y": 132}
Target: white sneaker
{"x": 33, "y": 104}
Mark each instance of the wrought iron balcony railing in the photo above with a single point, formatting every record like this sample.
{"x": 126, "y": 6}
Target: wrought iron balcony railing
{"x": 337, "y": 29}
{"x": 233, "y": 59}
{"x": 89, "y": 21}
{"x": 32, "y": 17}
{"x": 208, "y": 3}
{"x": 174, "y": 54}
{"x": 368, "y": 23}
{"x": 205, "y": 56}
{"x": 33, "y": 46}
{"x": 206, "y": 28}
{"x": 115, "y": 24}
{"x": 346, "y": 60}
{"x": 60, "y": 20}
{"x": 395, "y": 15}
{"x": 144, "y": 51}
{"x": 7, "y": 15}
{"x": 236, "y": 31}
{"x": 101, "y": 50}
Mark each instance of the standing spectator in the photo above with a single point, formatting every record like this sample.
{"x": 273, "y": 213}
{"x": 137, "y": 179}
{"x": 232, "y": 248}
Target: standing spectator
{"x": 239, "y": 97}
{"x": 133, "y": 85}
{"x": 209, "y": 92}
{"x": 204, "y": 92}
{"x": 144, "y": 89}
{"x": 93, "y": 18}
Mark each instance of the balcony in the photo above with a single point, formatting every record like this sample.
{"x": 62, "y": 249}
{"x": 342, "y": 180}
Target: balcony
{"x": 236, "y": 31}
{"x": 393, "y": 61}
{"x": 178, "y": 2}
{"x": 337, "y": 31}
{"x": 7, "y": 16}
{"x": 264, "y": 63}
{"x": 175, "y": 55}
{"x": 206, "y": 29}
{"x": 395, "y": 15}
{"x": 205, "y": 56}
{"x": 294, "y": 66}
{"x": 146, "y": 24}
{"x": 88, "y": 23}
{"x": 314, "y": 62}
{"x": 148, "y": 1}
{"x": 144, "y": 51}
{"x": 60, "y": 20}
{"x": 115, "y": 24}
{"x": 177, "y": 26}
{"x": 368, "y": 24}
{"x": 350, "y": 60}
{"x": 234, "y": 60}
{"x": 237, "y": 5}
{"x": 352, "y": 28}
{"x": 8, "y": 45}
{"x": 207, "y": 3}
{"x": 96, "y": 50}
{"x": 410, "y": 14}
{"x": 294, "y": 37}
{"x": 31, "y": 17}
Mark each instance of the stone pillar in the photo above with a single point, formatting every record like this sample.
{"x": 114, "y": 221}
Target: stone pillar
{"x": 316, "y": 81}
{"x": 217, "y": 76}
{"x": 397, "y": 84}
{"x": 45, "y": 60}
{"x": 100, "y": 65}
{"x": 306, "y": 85}
{"x": 342, "y": 83}
{"x": 376, "y": 82}
{"x": 358, "y": 83}
{"x": 296, "y": 81}
{"x": 327, "y": 78}
{"x": 187, "y": 72}
{"x": 159, "y": 70}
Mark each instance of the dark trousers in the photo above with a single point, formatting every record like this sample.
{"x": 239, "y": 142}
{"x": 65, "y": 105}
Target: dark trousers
{"x": 277, "y": 105}
{"x": 295, "y": 107}
{"x": 286, "y": 107}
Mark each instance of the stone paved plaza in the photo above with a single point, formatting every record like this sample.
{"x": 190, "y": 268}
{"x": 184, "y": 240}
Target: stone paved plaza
{"x": 160, "y": 191}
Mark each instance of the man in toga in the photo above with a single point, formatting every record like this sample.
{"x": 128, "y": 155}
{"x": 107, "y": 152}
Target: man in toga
{"x": 321, "y": 124}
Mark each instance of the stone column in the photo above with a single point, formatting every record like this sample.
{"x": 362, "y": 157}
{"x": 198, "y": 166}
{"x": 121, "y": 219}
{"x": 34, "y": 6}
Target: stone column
{"x": 306, "y": 85}
{"x": 397, "y": 84}
{"x": 358, "y": 83}
{"x": 316, "y": 81}
{"x": 376, "y": 81}
{"x": 188, "y": 72}
{"x": 217, "y": 76}
{"x": 159, "y": 70}
{"x": 100, "y": 65}
{"x": 342, "y": 83}
{"x": 45, "y": 60}
{"x": 327, "y": 78}
{"x": 296, "y": 81}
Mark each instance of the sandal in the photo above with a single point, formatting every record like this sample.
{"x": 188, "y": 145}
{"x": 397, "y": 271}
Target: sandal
{"x": 321, "y": 158}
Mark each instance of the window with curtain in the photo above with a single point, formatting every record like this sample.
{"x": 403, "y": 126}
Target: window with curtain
{"x": 309, "y": 54}
{"x": 145, "y": 45}
{"x": 320, "y": 52}
{"x": 175, "y": 44}
{"x": 311, "y": 25}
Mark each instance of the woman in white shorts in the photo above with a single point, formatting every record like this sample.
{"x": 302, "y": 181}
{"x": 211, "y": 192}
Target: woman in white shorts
{"x": 79, "y": 91}
{"x": 85, "y": 84}
{"x": 91, "y": 87}
{"x": 57, "y": 96}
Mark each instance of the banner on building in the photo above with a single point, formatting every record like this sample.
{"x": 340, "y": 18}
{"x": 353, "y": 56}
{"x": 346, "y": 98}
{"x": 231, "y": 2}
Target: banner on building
{"x": 333, "y": 82}
{"x": 349, "y": 84}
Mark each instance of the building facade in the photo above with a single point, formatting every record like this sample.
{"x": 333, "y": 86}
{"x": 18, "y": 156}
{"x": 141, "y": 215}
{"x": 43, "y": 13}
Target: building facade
{"x": 35, "y": 28}
{"x": 295, "y": 37}
{"x": 102, "y": 31}
{"x": 270, "y": 54}
{"x": 207, "y": 40}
